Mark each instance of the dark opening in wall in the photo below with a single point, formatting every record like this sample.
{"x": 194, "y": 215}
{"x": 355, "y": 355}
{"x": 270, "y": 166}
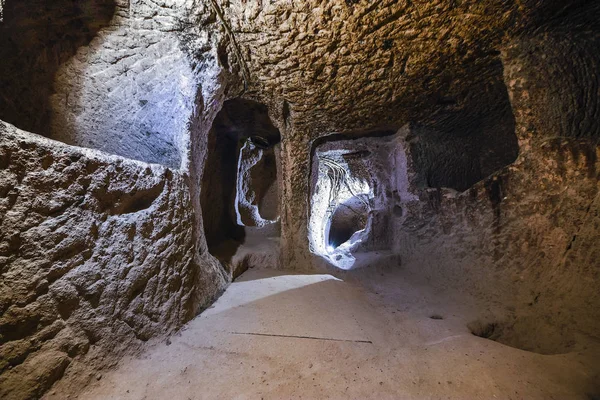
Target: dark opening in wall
{"x": 36, "y": 37}
{"x": 526, "y": 333}
{"x": 239, "y": 183}
{"x": 264, "y": 182}
{"x": 353, "y": 179}
{"x": 349, "y": 217}
{"x": 467, "y": 139}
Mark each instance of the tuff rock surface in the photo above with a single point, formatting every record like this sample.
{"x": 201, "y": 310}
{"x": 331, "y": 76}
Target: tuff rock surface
{"x": 97, "y": 255}
{"x": 101, "y": 253}
{"x": 107, "y": 239}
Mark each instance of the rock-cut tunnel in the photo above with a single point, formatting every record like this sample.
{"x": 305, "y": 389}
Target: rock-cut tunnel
{"x": 312, "y": 199}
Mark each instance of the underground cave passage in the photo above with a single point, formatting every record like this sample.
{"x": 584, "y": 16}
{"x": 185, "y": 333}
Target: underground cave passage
{"x": 341, "y": 199}
{"x": 349, "y": 217}
{"x": 240, "y": 184}
{"x": 349, "y": 202}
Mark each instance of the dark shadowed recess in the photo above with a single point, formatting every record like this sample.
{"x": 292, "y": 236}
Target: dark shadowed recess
{"x": 571, "y": 14}
{"x": 36, "y": 37}
{"x": 526, "y": 333}
{"x": 558, "y": 52}
{"x": 238, "y": 121}
{"x": 469, "y": 138}
{"x": 349, "y": 217}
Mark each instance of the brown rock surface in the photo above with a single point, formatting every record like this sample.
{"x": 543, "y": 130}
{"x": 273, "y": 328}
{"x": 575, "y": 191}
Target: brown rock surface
{"x": 495, "y": 105}
{"x": 98, "y": 254}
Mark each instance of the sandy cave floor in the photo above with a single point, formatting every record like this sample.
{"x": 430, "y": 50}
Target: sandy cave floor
{"x": 278, "y": 335}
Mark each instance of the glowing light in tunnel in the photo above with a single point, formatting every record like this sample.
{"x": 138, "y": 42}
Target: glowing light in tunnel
{"x": 245, "y": 197}
{"x": 239, "y": 190}
{"x": 335, "y": 185}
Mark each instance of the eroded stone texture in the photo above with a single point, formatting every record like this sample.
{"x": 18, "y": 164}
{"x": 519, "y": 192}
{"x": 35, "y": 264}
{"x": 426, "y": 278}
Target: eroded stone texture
{"x": 352, "y": 195}
{"x": 332, "y": 66}
{"x": 97, "y": 254}
{"x": 138, "y": 79}
{"x": 519, "y": 238}
{"x": 118, "y": 76}
{"x": 36, "y": 37}
{"x": 327, "y": 67}
{"x": 527, "y": 236}
{"x": 145, "y": 80}
{"x": 100, "y": 254}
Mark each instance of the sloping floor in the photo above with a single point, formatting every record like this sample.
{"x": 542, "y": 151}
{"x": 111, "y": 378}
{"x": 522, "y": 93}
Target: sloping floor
{"x": 274, "y": 335}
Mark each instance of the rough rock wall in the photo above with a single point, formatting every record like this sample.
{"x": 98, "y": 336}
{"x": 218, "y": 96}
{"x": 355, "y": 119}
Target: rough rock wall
{"x": 457, "y": 146}
{"x": 136, "y": 71}
{"x": 557, "y": 70}
{"x": 36, "y": 37}
{"x": 327, "y": 67}
{"x": 101, "y": 253}
{"x": 321, "y": 67}
{"x": 524, "y": 238}
{"x": 97, "y": 254}
{"x": 349, "y": 66}
{"x": 527, "y": 236}
{"x": 115, "y": 75}
{"x": 336, "y": 66}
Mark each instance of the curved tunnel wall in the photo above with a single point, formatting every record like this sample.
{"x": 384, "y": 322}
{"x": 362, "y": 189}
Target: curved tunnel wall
{"x": 99, "y": 250}
{"x": 87, "y": 74}
{"x": 349, "y": 217}
{"x": 35, "y": 40}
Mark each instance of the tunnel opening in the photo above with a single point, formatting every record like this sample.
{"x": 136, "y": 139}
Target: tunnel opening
{"x": 240, "y": 183}
{"x": 352, "y": 197}
{"x": 348, "y": 219}
{"x": 341, "y": 180}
